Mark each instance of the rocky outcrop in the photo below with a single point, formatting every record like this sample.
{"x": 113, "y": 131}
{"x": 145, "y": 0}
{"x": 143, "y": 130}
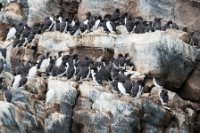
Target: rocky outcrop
{"x": 191, "y": 88}
{"x": 161, "y": 54}
{"x": 99, "y": 110}
{"x": 38, "y": 10}
{"x": 13, "y": 13}
{"x": 185, "y": 12}
{"x": 63, "y": 94}
{"x": 16, "y": 119}
{"x": 56, "y": 104}
{"x": 59, "y": 105}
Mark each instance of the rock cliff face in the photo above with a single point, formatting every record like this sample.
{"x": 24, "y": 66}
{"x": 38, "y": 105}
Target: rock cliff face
{"x": 57, "y": 104}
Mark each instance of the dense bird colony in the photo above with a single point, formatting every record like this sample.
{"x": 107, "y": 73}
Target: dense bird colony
{"x": 117, "y": 71}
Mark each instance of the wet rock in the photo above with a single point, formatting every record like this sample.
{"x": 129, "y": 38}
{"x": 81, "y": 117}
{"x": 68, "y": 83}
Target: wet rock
{"x": 156, "y": 115}
{"x": 197, "y": 124}
{"x": 15, "y": 120}
{"x": 184, "y": 122}
{"x": 159, "y": 55}
{"x": 57, "y": 123}
{"x": 191, "y": 87}
{"x": 174, "y": 102}
{"x": 147, "y": 128}
{"x": 104, "y": 111}
{"x": 60, "y": 99}
{"x": 172, "y": 128}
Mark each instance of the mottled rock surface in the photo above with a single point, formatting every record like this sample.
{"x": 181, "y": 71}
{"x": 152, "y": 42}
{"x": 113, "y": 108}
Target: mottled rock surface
{"x": 156, "y": 54}
{"x": 186, "y": 12}
{"x": 191, "y": 88}
{"x": 54, "y": 104}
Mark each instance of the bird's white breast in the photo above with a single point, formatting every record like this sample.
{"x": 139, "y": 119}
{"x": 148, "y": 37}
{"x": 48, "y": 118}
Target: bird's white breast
{"x": 16, "y": 81}
{"x": 109, "y": 26}
{"x": 32, "y": 72}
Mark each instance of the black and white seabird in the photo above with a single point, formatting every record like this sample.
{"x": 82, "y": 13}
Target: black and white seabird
{"x": 114, "y": 83}
{"x": 157, "y": 23}
{"x": 116, "y": 16}
{"x": 30, "y": 37}
{"x": 163, "y": 95}
{"x": 26, "y": 32}
{"x": 3, "y": 53}
{"x": 59, "y": 59}
{"x": 104, "y": 71}
{"x": 129, "y": 24}
{"x": 128, "y": 85}
{"x": 83, "y": 27}
{"x": 96, "y": 76}
{"x": 26, "y": 67}
{"x": 44, "y": 62}
{"x": 140, "y": 26}
{"x": 8, "y": 96}
{"x": 167, "y": 25}
{"x": 63, "y": 25}
{"x": 50, "y": 66}
{"x": 90, "y": 21}
{"x": 123, "y": 19}
{"x": 157, "y": 82}
{"x": 19, "y": 43}
{"x": 72, "y": 66}
{"x": 75, "y": 30}
{"x": 110, "y": 25}
{"x": 48, "y": 24}
{"x": 137, "y": 89}
{"x": 193, "y": 39}
{"x": 149, "y": 27}
{"x": 114, "y": 72}
{"x": 97, "y": 23}
{"x": 37, "y": 28}
{"x": 121, "y": 61}
{"x": 57, "y": 25}
{"x": 83, "y": 69}
{"x": 174, "y": 26}
{"x": 10, "y": 1}
{"x": 1, "y": 66}
{"x": 33, "y": 71}
{"x": 19, "y": 81}
{"x": 120, "y": 86}
{"x": 20, "y": 28}
{"x": 62, "y": 70}
{"x": 53, "y": 71}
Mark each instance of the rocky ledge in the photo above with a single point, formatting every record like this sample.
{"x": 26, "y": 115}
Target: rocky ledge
{"x": 58, "y": 104}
